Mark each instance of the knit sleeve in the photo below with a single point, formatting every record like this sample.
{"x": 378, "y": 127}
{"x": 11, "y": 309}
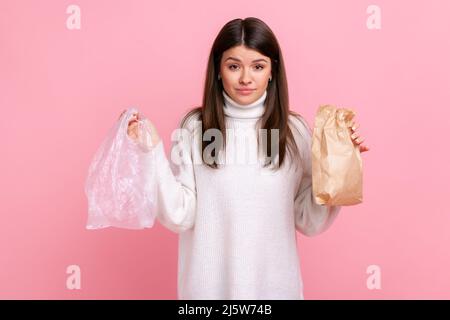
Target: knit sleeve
{"x": 175, "y": 182}
{"x": 310, "y": 218}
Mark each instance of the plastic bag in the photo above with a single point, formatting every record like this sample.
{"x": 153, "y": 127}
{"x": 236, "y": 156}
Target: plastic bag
{"x": 337, "y": 170}
{"x": 120, "y": 185}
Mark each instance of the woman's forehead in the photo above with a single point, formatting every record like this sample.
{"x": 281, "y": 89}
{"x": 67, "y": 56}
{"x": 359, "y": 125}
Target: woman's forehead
{"x": 243, "y": 54}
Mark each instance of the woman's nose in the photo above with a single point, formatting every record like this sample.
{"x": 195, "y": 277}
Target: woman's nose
{"x": 245, "y": 77}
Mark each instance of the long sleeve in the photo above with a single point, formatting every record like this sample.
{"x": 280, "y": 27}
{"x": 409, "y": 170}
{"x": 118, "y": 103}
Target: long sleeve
{"x": 310, "y": 218}
{"x": 175, "y": 183}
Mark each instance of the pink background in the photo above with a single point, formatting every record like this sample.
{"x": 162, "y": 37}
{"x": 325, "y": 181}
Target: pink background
{"x": 61, "y": 90}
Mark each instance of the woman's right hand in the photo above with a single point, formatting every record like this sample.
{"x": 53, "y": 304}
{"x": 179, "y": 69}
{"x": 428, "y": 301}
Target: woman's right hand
{"x": 132, "y": 129}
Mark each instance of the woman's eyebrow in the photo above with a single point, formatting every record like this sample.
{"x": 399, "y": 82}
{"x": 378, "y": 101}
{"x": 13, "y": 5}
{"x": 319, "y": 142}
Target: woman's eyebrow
{"x": 236, "y": 59}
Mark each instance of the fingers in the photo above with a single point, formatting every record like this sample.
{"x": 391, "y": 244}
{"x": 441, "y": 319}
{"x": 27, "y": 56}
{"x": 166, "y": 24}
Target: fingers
{"x": 354, "y": 127}
{"x": 356, "y": 138}
{"x": 136, "y": 116}
{"x": 363, "y": 148}
{"x": 132, "y": 130}
{"x": 132, "y": 123}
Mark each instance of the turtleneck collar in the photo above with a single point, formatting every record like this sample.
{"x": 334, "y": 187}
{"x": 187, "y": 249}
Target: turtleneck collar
{"x": 253, "y": 110}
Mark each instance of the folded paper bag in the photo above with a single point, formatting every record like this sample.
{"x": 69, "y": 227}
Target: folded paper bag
{"x": 120, "y": 183}
{"x": 336, "y": 161}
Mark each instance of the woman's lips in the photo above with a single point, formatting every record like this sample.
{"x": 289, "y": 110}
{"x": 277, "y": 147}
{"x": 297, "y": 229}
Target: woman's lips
{"x": 245, "y": 91}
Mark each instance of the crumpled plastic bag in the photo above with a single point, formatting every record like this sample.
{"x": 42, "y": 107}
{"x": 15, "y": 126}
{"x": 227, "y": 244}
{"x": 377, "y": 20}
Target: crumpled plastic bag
{"x": 337, "y": 171}
{"x": 119, "y": 185}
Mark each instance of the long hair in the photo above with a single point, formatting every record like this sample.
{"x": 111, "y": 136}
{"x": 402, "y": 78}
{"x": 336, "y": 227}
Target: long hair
{"x": 254, "y": 34}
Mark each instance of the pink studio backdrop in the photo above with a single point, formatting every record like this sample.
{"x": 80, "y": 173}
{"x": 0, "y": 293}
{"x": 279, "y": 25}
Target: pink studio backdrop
{"x": 62, "y": 89}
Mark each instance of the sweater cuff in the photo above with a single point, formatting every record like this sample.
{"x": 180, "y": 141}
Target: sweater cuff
{"x": 334, "y": 209}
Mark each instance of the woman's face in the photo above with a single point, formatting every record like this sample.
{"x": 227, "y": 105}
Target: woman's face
{"x": 243, "y": 68}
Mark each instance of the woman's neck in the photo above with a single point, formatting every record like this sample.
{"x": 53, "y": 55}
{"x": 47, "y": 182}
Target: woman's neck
{"x": 253, "y": 110}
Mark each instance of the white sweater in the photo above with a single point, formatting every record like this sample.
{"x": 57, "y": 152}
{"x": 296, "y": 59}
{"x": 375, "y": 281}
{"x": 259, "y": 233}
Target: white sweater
{"x": 237, "y": 224}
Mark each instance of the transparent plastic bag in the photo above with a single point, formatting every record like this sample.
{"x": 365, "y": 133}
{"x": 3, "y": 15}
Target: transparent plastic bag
{"x": 120, "y": 183}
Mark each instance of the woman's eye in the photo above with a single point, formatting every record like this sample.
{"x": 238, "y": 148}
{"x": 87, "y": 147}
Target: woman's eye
{"x": 258, "y": 67}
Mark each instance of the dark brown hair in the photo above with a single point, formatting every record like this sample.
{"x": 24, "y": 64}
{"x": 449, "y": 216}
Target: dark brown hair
{"x": 254, "y": 34}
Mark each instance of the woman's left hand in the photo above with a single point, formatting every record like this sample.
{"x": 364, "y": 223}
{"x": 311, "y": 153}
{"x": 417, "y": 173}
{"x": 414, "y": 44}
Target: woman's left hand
{"x": 357, "y": 140}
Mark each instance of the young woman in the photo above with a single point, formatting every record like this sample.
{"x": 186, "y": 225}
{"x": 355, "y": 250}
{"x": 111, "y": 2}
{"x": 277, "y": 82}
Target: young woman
{"x": 237, "y": 220}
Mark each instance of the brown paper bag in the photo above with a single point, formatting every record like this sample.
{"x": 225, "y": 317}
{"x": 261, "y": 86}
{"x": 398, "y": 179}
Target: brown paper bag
{"x": 336, "y": 161}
